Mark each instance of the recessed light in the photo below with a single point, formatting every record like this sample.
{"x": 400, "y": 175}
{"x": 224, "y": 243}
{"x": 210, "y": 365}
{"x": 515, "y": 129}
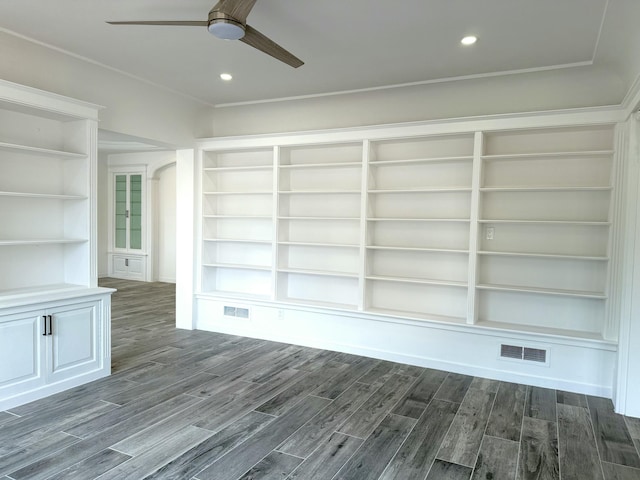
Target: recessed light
{"x": 226, "y": 77}
{"x": 470, "y": 40}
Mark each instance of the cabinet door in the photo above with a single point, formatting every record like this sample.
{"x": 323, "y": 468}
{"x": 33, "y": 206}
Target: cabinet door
{"x": 21, "y": 348}
{"x": 120, "y": 268}
{"x": 127, "y": 227}
{"x": 136, "y": 268}
{"x": 75, "y": 340}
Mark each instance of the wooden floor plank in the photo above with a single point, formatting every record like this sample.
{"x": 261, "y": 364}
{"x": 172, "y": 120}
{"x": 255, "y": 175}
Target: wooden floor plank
{"x": 334, "y": 387}
{"x": 249, "y": 453}
{"x": 576, "y": 444}
{"x": 612, "y": 435}
{"x": 633, "y": 424}
{"x": 505, "y": 420}
{"x": 378, "y": 374}
{"x": 145, "y": 401}
{"x": 329, "y": 456}
{"x": 570, "y": 398}
{"x": 372, "y": 457}
{"x": 77, "y": 452}
{"x": 541, "y": 404}
{"x": 486, "y": 384}
{"x": 155, "y": 457}
{"x": 538, "y": 458}
{"x": 32, "y": 428}
{"x": 442, "y": 470}
{"x": 497, "y": 458}
{"x": 254, "y": 397}
{"x": 35, "y": 451}
{"x": 321, "y": 427}
{"x": 454, "y": 388}
{"x": 93, "y": 467}
{"x": 292, "y": 395}
{"x": 613, "y": 471}
{"x": 205, "y": 453}
{"x": 462, "y": 442}
{"x": 415, "y": 456}
{"x": 364, "y": 421}
{"x": 274, "y": 466}
{"x": 164, "y": 428}
{"x": 415, "y": 401}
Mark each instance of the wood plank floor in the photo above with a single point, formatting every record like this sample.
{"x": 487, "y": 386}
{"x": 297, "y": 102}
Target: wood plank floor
{"x": 199, "y": 405}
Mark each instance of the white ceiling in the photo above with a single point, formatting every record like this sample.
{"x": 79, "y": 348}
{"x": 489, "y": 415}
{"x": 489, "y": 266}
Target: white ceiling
{"x": 346, "y": 44}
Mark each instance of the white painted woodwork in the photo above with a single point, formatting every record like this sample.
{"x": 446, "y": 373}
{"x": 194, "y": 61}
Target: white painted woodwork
{"x": 48, "y": 246}
{"x": 388, "y": 226}
{"x": 129, "y": 266}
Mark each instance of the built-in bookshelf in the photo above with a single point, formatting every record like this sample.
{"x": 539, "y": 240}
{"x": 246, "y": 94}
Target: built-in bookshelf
{"x": 418, "y": 216}
{"x": 498, "y": 229}
{"x": 54, "y": 319}
{"x": 545, "y": 229}
{"x": 237, "y": 226}
{"x": 318, "y": 243}
{"x": 44, "y": 199}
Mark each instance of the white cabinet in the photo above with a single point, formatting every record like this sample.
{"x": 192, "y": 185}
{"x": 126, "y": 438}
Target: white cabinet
{"x": 54, "y": 345}
{"x": 132, "y": 267}
{"x": 127, "y": 232}
{"x": 21, "y": 352}
{"x": 48, "y": 263}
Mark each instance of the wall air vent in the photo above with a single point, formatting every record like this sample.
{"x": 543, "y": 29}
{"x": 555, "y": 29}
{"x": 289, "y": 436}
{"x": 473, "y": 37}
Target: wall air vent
{"x": 511, "y": 351}
{"x": 238, "y": 312}
{"x": 535, "y": 355}
{"x": 528, "y": 354}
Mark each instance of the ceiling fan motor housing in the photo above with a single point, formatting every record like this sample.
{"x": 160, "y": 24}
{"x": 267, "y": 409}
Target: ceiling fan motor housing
{"x": 224, "y": 26}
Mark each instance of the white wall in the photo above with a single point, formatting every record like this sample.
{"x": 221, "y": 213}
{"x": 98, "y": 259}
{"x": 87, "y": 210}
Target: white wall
{"x": 132, "y": 106}
{"x": 103, "y": 212}
{"x": 166, "y": 251}
{"x": 483, "y": 96}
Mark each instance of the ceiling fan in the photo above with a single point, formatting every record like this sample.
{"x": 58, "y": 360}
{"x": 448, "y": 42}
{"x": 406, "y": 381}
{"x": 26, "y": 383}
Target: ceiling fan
{"x": 228, "y": 20}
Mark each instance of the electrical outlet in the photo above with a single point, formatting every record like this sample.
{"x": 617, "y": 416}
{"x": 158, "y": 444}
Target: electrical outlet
{"x": 490, "y": 233}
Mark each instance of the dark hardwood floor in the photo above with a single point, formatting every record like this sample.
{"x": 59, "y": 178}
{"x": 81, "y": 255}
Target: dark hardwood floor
{"x": 190, "y": 404}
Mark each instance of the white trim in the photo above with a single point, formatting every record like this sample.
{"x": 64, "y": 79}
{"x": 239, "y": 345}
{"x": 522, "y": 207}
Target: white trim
{"x": 42, "y": 101}
{"x": 626, "y": 375}
{"x": 185, "y": 239}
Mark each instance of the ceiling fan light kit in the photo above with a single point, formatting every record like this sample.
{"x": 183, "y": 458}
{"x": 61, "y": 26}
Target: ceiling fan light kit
{"x": 228, "y": 20}
{"x": 226, "y": 30}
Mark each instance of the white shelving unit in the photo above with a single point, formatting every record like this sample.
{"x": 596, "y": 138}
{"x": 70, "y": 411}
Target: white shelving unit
{"x": 546, "y": 202}
{"x": 54, "y": 321}
{"x": 318, "y": 247}
{"x": 237, "y": 227}
{"x": 499, "y": 229}
{"x": 44, "y": 200}
{"x": 418, "y": 217}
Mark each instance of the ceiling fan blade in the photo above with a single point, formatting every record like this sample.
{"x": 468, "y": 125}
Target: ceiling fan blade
{"x": 179, "y": 23}
{"x": 257, "y": 40}
{"x": 237, "y": 9}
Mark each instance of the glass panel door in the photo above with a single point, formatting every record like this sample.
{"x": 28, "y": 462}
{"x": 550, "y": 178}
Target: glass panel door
{"x": 121, "y": 211}
{"x": 135, "y": 205}
{"x": 128, "y": 211}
